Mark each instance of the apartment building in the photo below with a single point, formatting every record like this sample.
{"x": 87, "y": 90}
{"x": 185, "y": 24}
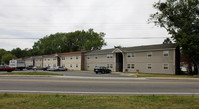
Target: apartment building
{"x": 160, "y": 59}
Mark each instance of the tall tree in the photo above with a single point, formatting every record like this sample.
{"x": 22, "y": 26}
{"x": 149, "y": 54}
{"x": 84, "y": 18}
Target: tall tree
{"x": 67, "y": 42}
{"x": 7, "y": 57}
{"x": 2, "y": 52}
{"x": 167, "y": 41}
{"x": 181, "y": 19}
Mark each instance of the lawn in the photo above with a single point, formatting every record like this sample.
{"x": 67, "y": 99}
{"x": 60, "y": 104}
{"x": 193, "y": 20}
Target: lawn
{"x": 38, "y": 101}
{"x": 162, "y": 75}
{"x": 30, "y": 73}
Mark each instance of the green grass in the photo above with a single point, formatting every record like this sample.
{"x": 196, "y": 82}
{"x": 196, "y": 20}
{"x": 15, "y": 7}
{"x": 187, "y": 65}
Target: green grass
{"x": 30, "y": 73}
{"x": 36, "y": 101}
{"x": 162, "y": 75}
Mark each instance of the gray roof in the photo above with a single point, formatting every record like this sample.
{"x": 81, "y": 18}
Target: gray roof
{"x": 135, "y": 49}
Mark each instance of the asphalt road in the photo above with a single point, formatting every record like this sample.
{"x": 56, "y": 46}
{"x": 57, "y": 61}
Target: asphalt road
{"x": 98, "y": 86}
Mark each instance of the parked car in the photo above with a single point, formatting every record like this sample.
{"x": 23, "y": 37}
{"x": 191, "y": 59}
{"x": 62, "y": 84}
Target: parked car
{"x": 37, "y": 68}
{"x": 46, "y": 68}
{"x": 29, "y": 67}
{"x": 6, "y": 68}
{"x": 101, "y": 69}
{"x": 57, "y": 69}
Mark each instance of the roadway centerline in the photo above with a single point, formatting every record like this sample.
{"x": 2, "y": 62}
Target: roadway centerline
{"x": 116, "y": 82}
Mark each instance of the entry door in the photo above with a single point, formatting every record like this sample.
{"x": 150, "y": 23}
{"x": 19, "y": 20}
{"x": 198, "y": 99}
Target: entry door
{"x": 119, "y": 62}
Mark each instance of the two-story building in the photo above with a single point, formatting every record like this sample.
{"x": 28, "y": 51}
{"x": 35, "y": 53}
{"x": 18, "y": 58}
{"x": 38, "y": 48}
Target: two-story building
{"x": 162, "y": 58}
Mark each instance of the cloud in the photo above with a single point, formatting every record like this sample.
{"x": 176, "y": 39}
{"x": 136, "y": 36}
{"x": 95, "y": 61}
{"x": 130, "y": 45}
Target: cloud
{"x": 38, "y": 18}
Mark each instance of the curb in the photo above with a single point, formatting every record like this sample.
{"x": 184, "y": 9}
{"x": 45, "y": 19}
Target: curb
{"x": 171, "y": 78}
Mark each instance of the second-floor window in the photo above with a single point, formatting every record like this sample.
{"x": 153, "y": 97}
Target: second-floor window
{"x": 165, "y": 53}
{"x": 149, "y": 54}
{"x": 109, "y": 56}
{"x": 130, "y": 55}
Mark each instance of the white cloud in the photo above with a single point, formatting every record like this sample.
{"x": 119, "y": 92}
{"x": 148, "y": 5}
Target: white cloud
{"x": 38, "y": 18}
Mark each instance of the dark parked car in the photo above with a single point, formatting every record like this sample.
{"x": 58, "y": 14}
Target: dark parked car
{"x": 6, "y": 68}
{"x": 29, "y": 67}
{"x": 102, "y": 70}
{"x": 46, "y": 68}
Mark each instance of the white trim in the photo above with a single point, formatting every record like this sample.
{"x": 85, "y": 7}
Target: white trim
{"x": 164, "y": 64}
{"x": 117, "y": 50}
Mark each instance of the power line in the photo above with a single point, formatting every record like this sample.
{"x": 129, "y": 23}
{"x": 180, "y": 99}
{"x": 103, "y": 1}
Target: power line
{"x": 104, "y": 38}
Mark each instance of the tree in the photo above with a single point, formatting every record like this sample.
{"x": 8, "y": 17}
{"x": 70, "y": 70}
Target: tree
{"x": 119, "y": 46}
{"x": 2, "y": 52}
{"x": 181, "y": 19}
{"x": 167, "y": 41}
{"x": 68, "y": 42}
{"x": 7, "y": 57}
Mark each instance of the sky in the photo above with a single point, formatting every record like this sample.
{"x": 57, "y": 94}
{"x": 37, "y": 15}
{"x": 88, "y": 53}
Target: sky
{"x": 125, "y": 22}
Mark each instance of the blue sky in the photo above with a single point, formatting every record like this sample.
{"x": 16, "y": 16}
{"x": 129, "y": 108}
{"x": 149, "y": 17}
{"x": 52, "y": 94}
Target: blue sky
{"x": 116, "y": 18}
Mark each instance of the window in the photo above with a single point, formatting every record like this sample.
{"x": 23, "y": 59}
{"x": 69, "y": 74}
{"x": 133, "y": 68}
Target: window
{"x": 63, "y": 58}
{"x": 71, "y": 65}
{"x": 132, "y": 66}
{"x": 76, "y": 57}
{"x": 48, "y": 59}
{"x": 149, "y": 54}
{"x": 71, "y": 57}
{"x": 165, "y": 53}
{"x": 96, "y": 57}
{"x": 149, "y": 66}
{"x": 76, "y": 65}
{"x": 63, "y": 65}
{"x": 109, "y": 56}
{"x": 54, "y": 65}
{"x": 88, "y": 57}
{"x": 45, "y": 59}
{"x": 54, "y": 58}
{"x": 166, "y": 66}
{"x": 111, "y": 65}
{"x": 107, "y": 65}
{"x": 88, "y": 66}
{"x": 130, "y": 55}
{"x": 128, "y": 66}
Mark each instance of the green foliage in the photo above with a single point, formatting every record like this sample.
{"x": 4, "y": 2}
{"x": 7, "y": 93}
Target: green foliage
{"x": 167, "y": 41}
{"x": 2, "y": 52}
{"x": 68, "y": 42}
{"x": 119, "y": 46}
{"x": 38, "y": 101}
{"x": 18, "y": 52}
{"x": 181, "y": 19}
{"x": 7, "y": 57}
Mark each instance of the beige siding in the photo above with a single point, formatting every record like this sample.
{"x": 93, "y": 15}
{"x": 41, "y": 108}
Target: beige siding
{"x": 72, "y": 62}
{"x": 101, "y": 60}
{"x": 157, "y": 60}
{"x": 28, "y": 61}
{"x": 49, "y": 61}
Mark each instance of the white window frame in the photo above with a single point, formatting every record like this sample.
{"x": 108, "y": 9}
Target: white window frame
{"x": 149, "y": 67}
{"x": 109, "y": 55}
{"x": 132, "y": 66}
{"x": 107, "y": 65}
{"x": 63, "y": 58}
{"x": 165, "y": 67}
{"x": 88, "y": 57}
{"x": 166, "y": 53}
{"x": 149, "y": 54}
{"x": 128, "y": 66}
{"x": 76, "y": 65}
{"x": 96, "y": 57}
{"x": 77, "y": 57}
{"x": 130, "y": 55}
{"x": 111, "y": 65}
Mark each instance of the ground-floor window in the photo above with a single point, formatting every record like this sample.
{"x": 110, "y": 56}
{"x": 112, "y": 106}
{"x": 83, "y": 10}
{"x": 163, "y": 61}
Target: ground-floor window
{"x": 76, "y": 65}
{"x": 54, "y": 65}
{"x": 149, "y": 66}
{"x": 71, "y": 65}
{"x": 128, "y": 66}
{"x": 166, "y": 66}
{"x": 132, "y": 66}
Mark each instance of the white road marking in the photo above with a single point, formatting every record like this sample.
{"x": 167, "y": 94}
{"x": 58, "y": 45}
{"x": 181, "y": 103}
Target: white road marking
{"x": 101, "y": 93}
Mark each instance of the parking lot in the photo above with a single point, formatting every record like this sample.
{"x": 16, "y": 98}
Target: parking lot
{"x": 78, "y": 73}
